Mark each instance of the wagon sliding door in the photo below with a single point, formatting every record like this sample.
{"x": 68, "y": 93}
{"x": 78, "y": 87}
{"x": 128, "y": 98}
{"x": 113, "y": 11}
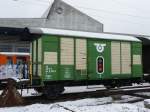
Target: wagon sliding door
{"x": 115, "y": 58}
{"x": 120, "y": 59}
{"x": 66, "y": 58}
{"x": 81, "y": 59}
{"x": 125, "y": 58}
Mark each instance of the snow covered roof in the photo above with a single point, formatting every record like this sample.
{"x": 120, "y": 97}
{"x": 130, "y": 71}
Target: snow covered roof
{"x": 82, "y": 34}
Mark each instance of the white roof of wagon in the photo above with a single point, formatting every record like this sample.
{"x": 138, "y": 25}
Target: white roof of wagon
{"x": 82, "y": 34}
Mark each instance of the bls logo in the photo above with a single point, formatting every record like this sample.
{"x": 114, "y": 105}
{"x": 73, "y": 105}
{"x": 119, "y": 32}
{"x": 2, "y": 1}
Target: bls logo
{"x": 100, "y": 47}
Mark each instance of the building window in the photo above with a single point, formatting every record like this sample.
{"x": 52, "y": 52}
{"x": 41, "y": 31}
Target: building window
{"x": 5, "y": 48}
{"x": 22, "y": 49}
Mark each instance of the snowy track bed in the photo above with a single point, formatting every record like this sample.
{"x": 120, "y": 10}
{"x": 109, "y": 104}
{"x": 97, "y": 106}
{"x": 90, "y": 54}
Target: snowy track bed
{"x": 106, "y": 104}
{"x": 77, "y": 93}
{"x": 86, "y": 103}
{"x": 125, "y": 103}
{"x": 32, "y": 97}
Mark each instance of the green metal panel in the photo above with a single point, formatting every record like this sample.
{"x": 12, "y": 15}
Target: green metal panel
{"x": 50, "y": 45}
{"x": 93, "y": 54}
{"x": 137, "y": 68}
{"x": 66, "y": 72}
{"x": 80, "y": 74}
{"x": 50, "y": 72}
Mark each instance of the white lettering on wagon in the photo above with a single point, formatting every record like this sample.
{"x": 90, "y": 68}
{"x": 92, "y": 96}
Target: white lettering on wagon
{"x": 100, "y": 47}
{"x": 49, "y": 70}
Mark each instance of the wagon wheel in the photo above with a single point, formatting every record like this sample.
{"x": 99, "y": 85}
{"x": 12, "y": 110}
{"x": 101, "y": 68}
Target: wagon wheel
{"x": 53, "y": 91}
{"x": 39, "y": 89}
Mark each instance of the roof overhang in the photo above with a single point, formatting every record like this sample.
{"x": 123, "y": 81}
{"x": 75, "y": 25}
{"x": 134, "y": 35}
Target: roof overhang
{"x": 13, "y": 31}
{"x": 82, "y": 34}
{"x": 22, "y": 34}
{"x": 145, "y": 40}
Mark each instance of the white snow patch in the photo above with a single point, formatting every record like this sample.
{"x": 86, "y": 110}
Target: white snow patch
{"x": 147, "y": 101}
{"x": 126, "y": 98}
{"x": 105, "y": 104}
{"x": 34, "y": 108}
{"x": 83, "y": 88}
{"x": 112, "y": 108}
{"x": 88, "y": 102}
{"x": 139, "y": 104}
{"x": 30, "y": 92}
{"x": 144, "y": 93}
{"x": 142, "y": 84}
{"x": 85, "y": 105}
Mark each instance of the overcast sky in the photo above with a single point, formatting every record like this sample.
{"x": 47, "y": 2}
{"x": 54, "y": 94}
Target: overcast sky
{"x": 119, "y": 16}
{"x": 23, "y": 8}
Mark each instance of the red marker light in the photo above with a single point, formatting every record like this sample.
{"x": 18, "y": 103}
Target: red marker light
{"x": 100, "y": 65}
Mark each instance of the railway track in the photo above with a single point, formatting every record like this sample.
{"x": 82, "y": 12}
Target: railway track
{"x": 91, "y": 94}
{"x": 125, "y": 87}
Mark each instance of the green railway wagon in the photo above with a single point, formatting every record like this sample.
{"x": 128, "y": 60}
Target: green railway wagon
{"x": 68, "y": 58}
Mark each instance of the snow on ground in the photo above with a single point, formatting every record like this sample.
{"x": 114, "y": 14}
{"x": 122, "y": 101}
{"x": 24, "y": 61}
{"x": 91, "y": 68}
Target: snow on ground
{"x": 75, "y": 89}
{"x": 127, "y": 98}
{"x": 84, "y": 105}
{"x": 144, "y": 93}
{"x": 83, "y": 88}
{"x": 29, "y": 92}
{"x": 105, "y": 104}
{"x": 32, "y": 92}
{"x": 142, "y": 84}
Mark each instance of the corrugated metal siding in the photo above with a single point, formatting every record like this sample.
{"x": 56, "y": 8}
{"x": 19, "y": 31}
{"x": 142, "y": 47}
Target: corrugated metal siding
{"x": 125, "y": 58}
{"x": 39, "y": 56}
{"x": 81, "y": 53}
{"x": 39, "y": 50}
{"x": 137, "y": 59}
{"x": 67, "y": 51}
{"x": 115, "y": 57}
{"x": 39, "y": 69}
{"x": 50, "y": 58}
